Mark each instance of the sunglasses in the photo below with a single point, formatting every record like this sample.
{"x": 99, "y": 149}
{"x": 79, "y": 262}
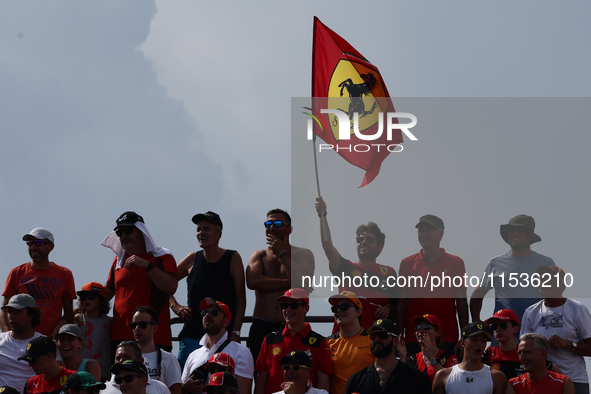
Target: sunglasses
{"x": 37, "y": 242}
{"x": 126, "y": 378}
{"x": 343, "y": 307}
{"x": 425, "y": 327}
{"x": 383, "y": 335}
{"x": 213, "y": 312}
{"x": 287, "y": 367}
{"x": 141, "y": 324}
{"x": 127, "y": 230}
{"x": 216, "y": 368}
{"x": 292, "y": 305}
{"x": 369, "y": 240}
{"x": 503, "y": 326}
{"x": 89, "y": 297}
{"x": 276, "y": 223}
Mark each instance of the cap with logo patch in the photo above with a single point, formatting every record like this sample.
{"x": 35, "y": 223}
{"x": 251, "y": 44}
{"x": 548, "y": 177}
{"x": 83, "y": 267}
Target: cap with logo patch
{"x": 384, "y": 325}
{"x": 294, "y": 294}
{"x": 223, "y": 359}
{"x": 297, "y": 356}
{"x": 476, "y": 328}
{"x": 209, "y": 216}
{"x": 505, "y": 315}
{"x": 210, "y": 301}
{"x": 38, "y": 347}
{"x": 128, "y": 218}
{"x": 39, "y": 233}
{"x": 91, "y": 288}
{"x": 345, "y": 295}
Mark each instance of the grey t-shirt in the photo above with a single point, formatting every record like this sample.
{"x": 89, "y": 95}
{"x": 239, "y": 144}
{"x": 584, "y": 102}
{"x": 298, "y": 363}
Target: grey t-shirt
{"x": 507, "y": 295}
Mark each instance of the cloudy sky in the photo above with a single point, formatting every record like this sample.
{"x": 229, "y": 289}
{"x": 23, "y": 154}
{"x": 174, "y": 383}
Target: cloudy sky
{"x": 170, "y": 108}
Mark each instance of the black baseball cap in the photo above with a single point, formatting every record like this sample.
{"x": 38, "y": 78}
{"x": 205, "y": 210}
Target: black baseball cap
{"x": 128, "y": 218}
{"x": 132, "y": 365}
{"x": 384, "y": 325}
{"x": 476, "y": 328}
{"x": 210, "y": 216}
{"x": 297, "y": 356}
{"x": 38, "y": 347}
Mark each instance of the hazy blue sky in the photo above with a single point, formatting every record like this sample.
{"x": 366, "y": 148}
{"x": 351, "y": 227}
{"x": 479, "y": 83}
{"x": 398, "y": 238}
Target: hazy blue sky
{"x": 170, "y": 108}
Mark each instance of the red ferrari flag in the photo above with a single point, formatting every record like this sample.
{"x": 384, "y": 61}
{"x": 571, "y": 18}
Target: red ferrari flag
{"x": 344, "y": 80}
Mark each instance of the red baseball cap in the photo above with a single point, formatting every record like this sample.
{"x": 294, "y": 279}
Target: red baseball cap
{"x": 345, "y": 295}
{"x": 295, "y": 294}
{"x": 504, "y": 314}
{"x": 210, "y": 301}
{"x": 222, "y": 379}
{"x": 223, "y": 359}
{"x": 430, "y": 318}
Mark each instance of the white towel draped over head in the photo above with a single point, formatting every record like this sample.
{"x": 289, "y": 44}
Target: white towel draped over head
{"x": 114, "y": 243}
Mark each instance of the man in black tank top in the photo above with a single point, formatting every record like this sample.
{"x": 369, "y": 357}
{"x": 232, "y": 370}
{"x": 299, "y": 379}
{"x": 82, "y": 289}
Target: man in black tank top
{"x": 211, "y": 272}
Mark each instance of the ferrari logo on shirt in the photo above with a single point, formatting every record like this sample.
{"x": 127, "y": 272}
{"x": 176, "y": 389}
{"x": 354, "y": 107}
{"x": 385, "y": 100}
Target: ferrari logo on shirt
{"x": 276, "y": 350}
{"x": 63, "y": 380}
{"x": 312, "y": 340}
{"x": 384, "y": 270}
{"x": 356, "y": 273}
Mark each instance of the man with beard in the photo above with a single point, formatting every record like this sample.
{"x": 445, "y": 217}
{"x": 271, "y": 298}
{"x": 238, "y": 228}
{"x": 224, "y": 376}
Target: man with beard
{"x": 216, "y": 318}
{"x": 471, "y": 375}
{"x": 270, "y": 273}
{"x": 50, "y": 284}
{"x": 378, "y": 302}
{"x": 386, "y": 374}
{"x": 23, "y": 317}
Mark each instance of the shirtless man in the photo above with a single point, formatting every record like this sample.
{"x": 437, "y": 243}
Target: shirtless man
{"x": 269, "y": 274}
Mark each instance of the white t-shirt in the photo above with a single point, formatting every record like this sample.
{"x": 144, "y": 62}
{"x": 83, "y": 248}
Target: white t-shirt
{"x": 14, "y": 373}
{"x": 570, "y": 321}
{"x": 169, "y": 372}
{"x": 240, "y": 353}
{"x": 153, "y": 387}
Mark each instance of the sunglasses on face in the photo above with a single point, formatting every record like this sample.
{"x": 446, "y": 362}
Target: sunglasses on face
{"x": 503, "y": 326}
{"x": 37, "y": 242}
{"x": 276, "y": 223}
{"x": 292, "y": 305}
{"x": 287, "y": 367}
{"x": 343, "y": 307}
{"x": 127, "y": 230}
{"x": 126, "y": 378}
{"x": 425, "y": 327}
{"x": 213, "y": 312}
{"x": 141, "y": 324}
{"x": 383, "y": 335}
{"x": 216, "y": 368}
{"x": 369, "y": 240}
{"x": 89, "y": 297}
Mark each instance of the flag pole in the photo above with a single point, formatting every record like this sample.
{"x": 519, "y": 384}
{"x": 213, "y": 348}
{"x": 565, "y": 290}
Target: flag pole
{"x": 322, "y": 218}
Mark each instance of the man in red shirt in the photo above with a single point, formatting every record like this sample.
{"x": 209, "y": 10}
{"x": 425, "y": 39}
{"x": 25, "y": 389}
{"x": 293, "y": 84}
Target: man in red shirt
{"x": 445, "y": 301}
{"x": 532, "y": 351}
{"x": 141, "y": 274}
{"x": 380, "y": 293}
{"x": 51, "y": 377}
{"x": 297, "y": 335}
